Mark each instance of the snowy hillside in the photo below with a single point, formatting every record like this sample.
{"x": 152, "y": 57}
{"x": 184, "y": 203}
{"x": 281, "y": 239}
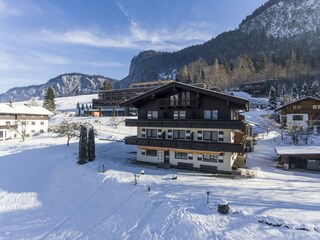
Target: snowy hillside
{"x": 44, "y": 194}
{"x": 286, "y": 18}
{"x": 64, "y": 85}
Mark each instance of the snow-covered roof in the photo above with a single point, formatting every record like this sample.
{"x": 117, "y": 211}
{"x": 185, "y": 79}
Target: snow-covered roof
{"x": 298, "y": 150}
{"x": 23, "y": 109}
{"x": 298, "y": 100}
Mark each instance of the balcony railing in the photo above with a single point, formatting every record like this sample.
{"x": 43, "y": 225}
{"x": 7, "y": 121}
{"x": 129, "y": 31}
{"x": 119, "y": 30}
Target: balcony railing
{"x": 217, "y": 124}
{"x": 182, "y": 144}
{"x": 180, "y": 103}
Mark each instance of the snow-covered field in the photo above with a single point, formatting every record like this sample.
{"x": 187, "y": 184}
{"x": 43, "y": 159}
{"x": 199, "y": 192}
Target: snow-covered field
{"x": 44, "y": 194}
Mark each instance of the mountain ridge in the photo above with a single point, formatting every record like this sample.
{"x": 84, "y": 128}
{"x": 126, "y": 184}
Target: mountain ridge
{"x": 64, "y": 85}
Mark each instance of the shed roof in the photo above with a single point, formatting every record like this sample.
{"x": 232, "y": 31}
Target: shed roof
{"x": 298, "y": 150}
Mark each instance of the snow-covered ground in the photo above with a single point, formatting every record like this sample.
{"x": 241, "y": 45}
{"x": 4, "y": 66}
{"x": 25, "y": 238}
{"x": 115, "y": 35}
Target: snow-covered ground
{"x": 44, "y": 194}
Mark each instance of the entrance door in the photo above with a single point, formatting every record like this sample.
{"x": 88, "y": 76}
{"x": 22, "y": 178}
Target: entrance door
{"x": 166, "y": 157}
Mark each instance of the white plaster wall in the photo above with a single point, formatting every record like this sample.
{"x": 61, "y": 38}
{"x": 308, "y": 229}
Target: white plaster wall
{"x": 227, "y": 133}
{"x": 30, "y": 129}
{"x": 145, "y": 158}
{"x": 228, "y": 159}
{"x": 303, "y": 123}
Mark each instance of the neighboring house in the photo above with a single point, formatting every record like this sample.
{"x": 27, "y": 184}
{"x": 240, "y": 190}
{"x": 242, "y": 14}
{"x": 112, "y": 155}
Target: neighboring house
{"x": 302, "y": 112}
{"x": 258, "y": 89}
{"x": 108, "y": 102}
{"x": 189, "y": 127}
{"x": 303, "y": 157}
{"x": 25, "y": 119}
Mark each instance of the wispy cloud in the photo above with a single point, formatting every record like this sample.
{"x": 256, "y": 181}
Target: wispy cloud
{"x": 18, "y": 8}
{"x": 137, "y": 37}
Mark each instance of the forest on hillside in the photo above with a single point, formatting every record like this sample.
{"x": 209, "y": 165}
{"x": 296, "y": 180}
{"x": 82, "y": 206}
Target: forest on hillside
{"x": 223, "y": 73}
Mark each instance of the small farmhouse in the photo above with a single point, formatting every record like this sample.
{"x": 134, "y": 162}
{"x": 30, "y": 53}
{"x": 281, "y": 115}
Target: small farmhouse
{"x": 189, "y": 127}
{"x": 18, "y": 119}
{"x": 303, "y": 112}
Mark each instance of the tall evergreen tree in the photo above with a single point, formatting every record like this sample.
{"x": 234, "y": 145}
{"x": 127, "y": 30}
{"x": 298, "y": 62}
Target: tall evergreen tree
{"x": 49, "y": 102}
{"x": 83, "y": 146}
{"x": 91, "y": 145}
{"x": 78, "y": 109}
{"x": 272, "y": 98}
{"x": 261, "y": 62}
{"x": 294, "y": 92}
{"x": 305, "y": 90}
{"x": 315, "y": 89}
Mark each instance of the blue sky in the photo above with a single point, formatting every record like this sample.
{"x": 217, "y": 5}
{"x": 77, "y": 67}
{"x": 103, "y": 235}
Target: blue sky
{"x": 41, "y": 39}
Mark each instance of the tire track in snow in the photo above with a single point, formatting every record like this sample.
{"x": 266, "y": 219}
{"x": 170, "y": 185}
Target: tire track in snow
{"x": 35, "y": 176}
{"x": 73, "y": 213}
{"x": 109, "y": 215}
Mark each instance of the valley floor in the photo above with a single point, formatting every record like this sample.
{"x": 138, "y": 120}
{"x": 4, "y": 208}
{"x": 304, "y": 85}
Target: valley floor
{"x": 44, "y": 194}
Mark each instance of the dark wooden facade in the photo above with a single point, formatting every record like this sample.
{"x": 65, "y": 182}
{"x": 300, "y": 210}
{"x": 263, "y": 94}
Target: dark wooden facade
{"x": 308, "y": 105}
{"x": 175, "y": 97}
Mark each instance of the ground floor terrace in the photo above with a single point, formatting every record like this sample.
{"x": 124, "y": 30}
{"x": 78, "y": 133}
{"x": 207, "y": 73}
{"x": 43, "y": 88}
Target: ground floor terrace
{"x": 299, "y": 157}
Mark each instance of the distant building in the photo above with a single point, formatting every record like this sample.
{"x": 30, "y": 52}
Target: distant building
{"x": 190, "y": 127}
{"x": 108, "y": 102}
{"x": 258, "y": 89}
{"x": 26, "y": 119}
{"x": 302, "y": 112}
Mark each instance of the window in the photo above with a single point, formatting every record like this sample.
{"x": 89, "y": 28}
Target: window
{"x": 185, "y": 98}
{"x": 33, "y": 123}
{"x": 210, "y": 158}
{"x": 179, "y": 134}
{"x": 1, "y": 134}
{"x": 210, "y": 136}
{"x": 8, "y": 123}
{"x": 174, "y": 100}
{"x": 211, "y": 114}
{"x": 152, "y": 133}
{"x": 315, "y": 106}
{"x": 181, "y": 155}
{"x": 297, "y": 117}
{"x": 152, "y": 114}
{"x": 151, "y": 153}
{"x": 41, "y": 131}
{"x": 41, "y": 123}
{"x": 33, "y": 131}
{"x": 178, "y": 114}
{"x": 296, "y": 107}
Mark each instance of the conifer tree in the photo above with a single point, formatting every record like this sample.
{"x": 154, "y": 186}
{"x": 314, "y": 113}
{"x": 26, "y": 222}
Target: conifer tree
{"x": 106, "y": 85}
{"x": 305, "y": 90}
{"x": 272, "y": 98}
{"x": 83, "y": 146}
{"x": 315, "y": 89}
{"x": 78, "y": 109}
{"x": 91, "y": 145}
{"x": 49, "y": 102}
{"x": 294, "y": 92}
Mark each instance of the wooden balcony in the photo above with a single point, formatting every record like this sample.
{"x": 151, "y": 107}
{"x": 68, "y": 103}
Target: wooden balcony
{"x": 174, "y": 123}
{"x": 183, "y": 144}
